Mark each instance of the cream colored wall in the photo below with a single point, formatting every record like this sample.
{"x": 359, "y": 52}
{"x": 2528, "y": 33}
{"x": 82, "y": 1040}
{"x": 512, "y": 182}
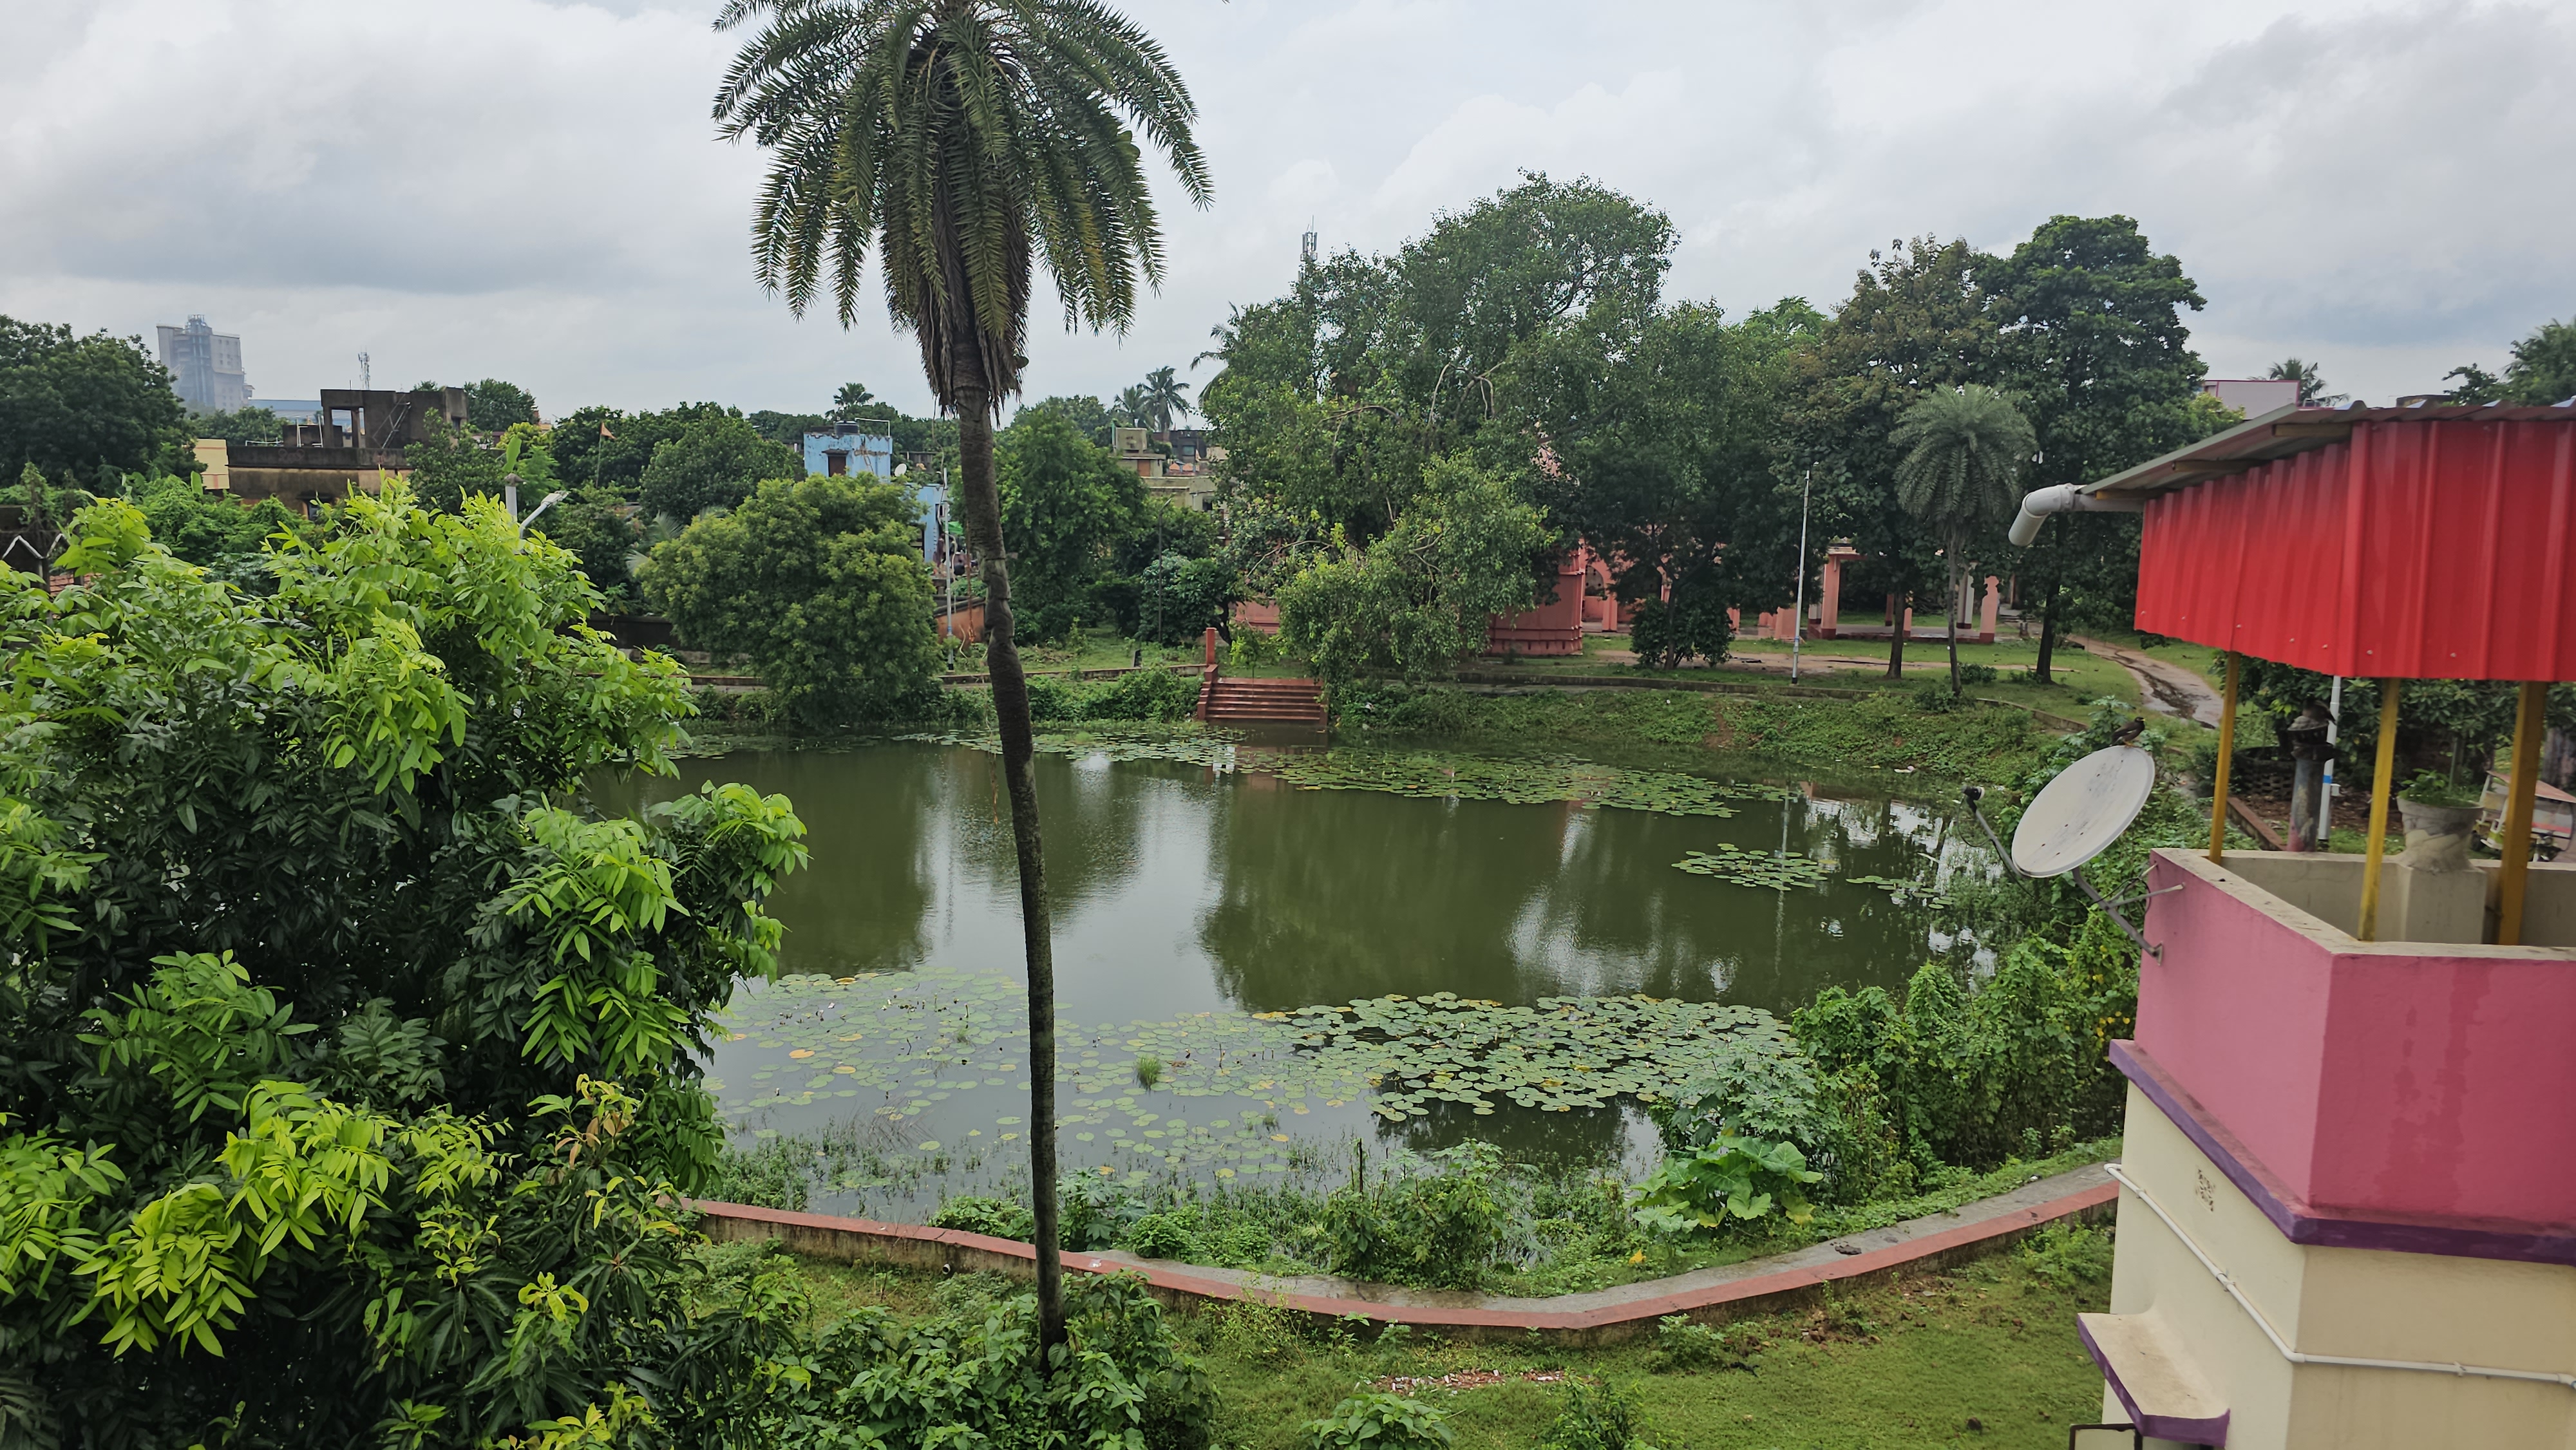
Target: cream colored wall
{"x": 2414, "y": 905}
{"x": 2351, "y": 1302}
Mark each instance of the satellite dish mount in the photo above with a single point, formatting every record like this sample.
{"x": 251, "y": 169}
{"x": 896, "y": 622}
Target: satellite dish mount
{"x": 2077, "y": 817}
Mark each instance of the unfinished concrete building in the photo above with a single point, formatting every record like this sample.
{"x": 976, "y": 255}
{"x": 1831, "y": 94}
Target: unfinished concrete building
{"x": 358, "y": 442}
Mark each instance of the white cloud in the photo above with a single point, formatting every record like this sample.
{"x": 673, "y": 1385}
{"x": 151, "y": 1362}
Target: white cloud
{"x": 534, "y": 190}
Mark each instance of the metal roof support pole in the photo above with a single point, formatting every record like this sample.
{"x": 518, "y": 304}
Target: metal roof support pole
{"x": 2226, "y": 758}
{"x": 2530, "y": 721}
{"x": 2382, "y": 784}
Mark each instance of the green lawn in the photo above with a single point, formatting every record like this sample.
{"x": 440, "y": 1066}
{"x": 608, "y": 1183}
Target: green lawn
{"x": 2078, "y": 678}
{"x": 1907, "y": 1364}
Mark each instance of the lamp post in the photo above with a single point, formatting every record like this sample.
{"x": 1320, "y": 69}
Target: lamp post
{"x": 1798, "y": 621}
{"x": 549, "y": 501}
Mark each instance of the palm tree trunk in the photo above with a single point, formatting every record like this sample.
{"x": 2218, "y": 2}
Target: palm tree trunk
{"x": 1898, "y": 604}
{"x": 981, "y": 504}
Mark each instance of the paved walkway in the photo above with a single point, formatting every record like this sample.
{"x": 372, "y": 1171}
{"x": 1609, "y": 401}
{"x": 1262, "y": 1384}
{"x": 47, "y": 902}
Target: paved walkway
{"x": 2164, "y": 688}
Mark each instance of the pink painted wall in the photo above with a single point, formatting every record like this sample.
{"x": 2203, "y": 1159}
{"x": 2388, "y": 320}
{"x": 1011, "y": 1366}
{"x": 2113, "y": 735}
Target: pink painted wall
{"x": 2378, "y": 1080}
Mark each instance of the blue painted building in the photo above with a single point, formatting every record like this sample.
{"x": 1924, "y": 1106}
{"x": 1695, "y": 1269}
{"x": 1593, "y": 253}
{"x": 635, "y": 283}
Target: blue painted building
{"x": 849, "y": 448}
{"x": 846, "y": 449}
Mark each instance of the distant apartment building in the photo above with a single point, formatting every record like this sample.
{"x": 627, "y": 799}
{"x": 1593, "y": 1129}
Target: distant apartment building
{"x": 205, "y": 366}
{"x": 1158, "y": 461}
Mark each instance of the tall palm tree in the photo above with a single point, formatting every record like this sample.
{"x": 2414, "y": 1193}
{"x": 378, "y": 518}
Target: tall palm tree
{"x": 851, "y": 400}
{"x": 966, "y": 139}
{"x": 1167, "y": 397}
{"x": 1964, "y": 452}
{"x": 2312, "y": 384}
{"x": 1134, "y": 407}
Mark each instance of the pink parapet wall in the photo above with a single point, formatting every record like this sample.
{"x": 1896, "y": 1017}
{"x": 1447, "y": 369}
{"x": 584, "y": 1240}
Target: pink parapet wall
{"x": 2414, "y": 1080}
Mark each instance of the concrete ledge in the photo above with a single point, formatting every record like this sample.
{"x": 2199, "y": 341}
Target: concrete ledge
{"x": 1759, "y": 1286}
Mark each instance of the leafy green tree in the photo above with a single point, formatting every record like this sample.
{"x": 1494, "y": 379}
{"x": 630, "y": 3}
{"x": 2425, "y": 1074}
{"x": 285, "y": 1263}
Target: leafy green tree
{"x": 1661, "y": 449}
{"x": 2312, "y": 384}
{"x": 1166, "y": 398}
{"x": 1918, "y": 320}
{"x": 606, "y": 446}
{"x": 251, "y": 424}
{"x": 602, "y": 531}
{"x": 713, "y": 463}
{"x": 819, "y": 582}
{"x": 1419, "y": 598}
{"x": 1065, "y": 504}
{"x": 2543, "y": 371}
{"x": 93, "y": 406}
{"x": 2474, "y": 385}
{"x": 492, "y": 405}
{"x": 352, "y": 1063}
{"x": 1964, "y": 453}
{"x": 214, "y": 532}
{"x": 2094, "y": 352}
{"x": 451, "y": 465}
{"x": 966, "y": 139}
{"x": 1087, "y": 416}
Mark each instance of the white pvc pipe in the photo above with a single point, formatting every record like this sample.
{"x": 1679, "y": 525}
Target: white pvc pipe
{"x": 2336, "y": 1361}
{"x": 2064, "y": 498}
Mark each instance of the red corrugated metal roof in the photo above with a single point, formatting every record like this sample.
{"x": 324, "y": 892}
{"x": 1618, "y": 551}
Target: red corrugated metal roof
{"x": 2411, "y": 543}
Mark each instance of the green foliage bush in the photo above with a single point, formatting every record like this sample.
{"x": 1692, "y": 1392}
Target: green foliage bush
{"x": 2069, "y": 1254}
{"x": 1380, "y": 1421}
{"x": 818, "y": 582}
{"x": 714, "y": 462}
{"x": 1729, "y": 1180}
{"x": 1138, "y": 695}
{"x": 1446, "y": 1227}
{"x": 972, "y": 1376}
{"x": 352, "y": 1080}
{"x": 1161, "y": 1236}
{"x": 994, "y": 1217}
{"x": 1602, "y": 1417}
{"x": 1666, "y": 635}
{"x": 1978, "y": 675}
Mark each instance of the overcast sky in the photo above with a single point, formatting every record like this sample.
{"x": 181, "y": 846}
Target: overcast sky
{"x": 533, "y": 190}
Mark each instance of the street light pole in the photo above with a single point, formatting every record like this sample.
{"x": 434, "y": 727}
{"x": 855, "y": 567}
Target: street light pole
{"x": 1798, "y": 621}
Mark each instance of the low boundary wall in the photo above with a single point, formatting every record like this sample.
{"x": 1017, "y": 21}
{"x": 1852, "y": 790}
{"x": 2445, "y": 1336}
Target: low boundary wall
{"x": 1633, "y": 1312}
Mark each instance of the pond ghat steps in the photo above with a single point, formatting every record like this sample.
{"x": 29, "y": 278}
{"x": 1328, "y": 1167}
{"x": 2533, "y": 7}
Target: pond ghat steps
{"x": 1600, "y": 1316}
{"x": 1263, "y": 702}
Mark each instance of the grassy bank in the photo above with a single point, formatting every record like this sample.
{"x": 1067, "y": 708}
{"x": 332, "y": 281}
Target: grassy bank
{"x": 1906, "y": 730}
{"x": 1985, "y": 1354}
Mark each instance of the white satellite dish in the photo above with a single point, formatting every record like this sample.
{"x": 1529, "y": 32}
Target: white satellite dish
{"x": 2079, "y": 814}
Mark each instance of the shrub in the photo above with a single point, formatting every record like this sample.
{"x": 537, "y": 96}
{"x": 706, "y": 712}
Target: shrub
{"x": 1093, "y": 1213}
{"x": 1758, "y": 1090}
{"x": 994, "y": 1217}
{"x": 1160, "y": 1236}
{"x": 1260, "y": 1331}
{"x": 1978, "y": 675}
{"x": 2069, "y": 1254}
{"x": 1935, "y": 699}
{"x": 1143, "y": 695}
{"x": 1732, "y": 1180}
{"x": 1606, "y": 1417}
{"x": 972, "y": 1377}
{"x": 1379, "y": 1422}
{"x": 1446, "y": 1228}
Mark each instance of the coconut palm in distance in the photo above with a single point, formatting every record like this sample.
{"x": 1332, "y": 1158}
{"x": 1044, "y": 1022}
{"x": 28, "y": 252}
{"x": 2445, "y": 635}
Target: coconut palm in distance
{"x": 1964, "y": 451}
{"x": 1166, "y": 397}
{"x": 1134, "y": 408}
{"x": 965, "y": 140}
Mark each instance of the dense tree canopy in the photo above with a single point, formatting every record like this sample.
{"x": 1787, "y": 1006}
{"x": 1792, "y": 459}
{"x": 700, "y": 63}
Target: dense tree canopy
{"x": 819, "y": 582}
{"x": 712, "y": 463}
{"x": 95, "y": 406}
{"x": 492, "y": 405}
{"x": 1066, "y": 505}
{"x": 348, "y": 1058}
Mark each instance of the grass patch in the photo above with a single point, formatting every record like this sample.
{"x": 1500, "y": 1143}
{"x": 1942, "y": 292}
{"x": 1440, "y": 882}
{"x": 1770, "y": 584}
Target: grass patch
{"x": 1908, "y": 1363}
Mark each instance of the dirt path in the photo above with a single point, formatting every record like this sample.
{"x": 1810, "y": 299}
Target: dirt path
{"x": 2163, "y": 687}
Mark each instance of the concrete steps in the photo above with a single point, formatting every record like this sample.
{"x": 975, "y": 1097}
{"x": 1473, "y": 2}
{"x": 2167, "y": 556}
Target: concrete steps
{"x": 1265, "y": 702}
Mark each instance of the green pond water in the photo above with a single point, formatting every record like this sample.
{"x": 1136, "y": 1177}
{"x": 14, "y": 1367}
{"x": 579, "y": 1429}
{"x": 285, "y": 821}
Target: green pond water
{"x": 1301, "y": 965}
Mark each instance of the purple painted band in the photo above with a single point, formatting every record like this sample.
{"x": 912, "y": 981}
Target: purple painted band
{"x": 2190, "y": 1431}
{"x": 2304, "y": 1223}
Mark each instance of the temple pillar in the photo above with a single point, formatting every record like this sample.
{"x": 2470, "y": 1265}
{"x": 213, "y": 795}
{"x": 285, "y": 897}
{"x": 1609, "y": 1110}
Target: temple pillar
{"x": 1830, "y": 599}
{"x": 1986, "y": 611}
